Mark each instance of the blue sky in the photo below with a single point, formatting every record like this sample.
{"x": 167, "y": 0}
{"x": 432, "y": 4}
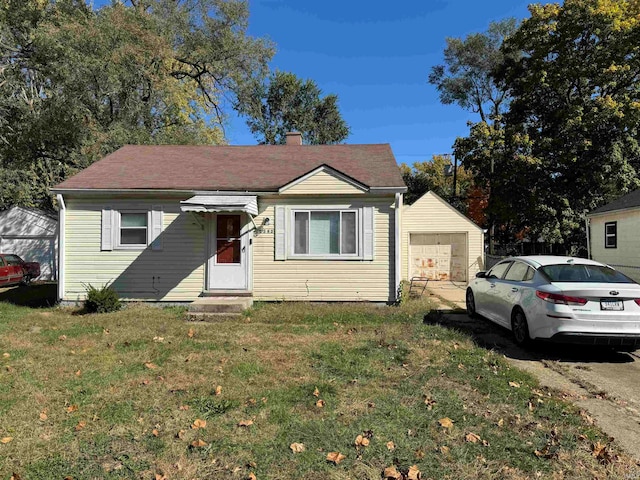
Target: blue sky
{"x": 376, "y": 56}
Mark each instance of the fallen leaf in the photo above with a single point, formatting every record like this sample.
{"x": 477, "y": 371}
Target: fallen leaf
{"x": 180, "y": 434}
{"x": 15, "y": 476}
{"x": 361, "y": 441}
{"x": 391, "y": 473}
{"x": 245, "y": 423}
{"x": 6, "y": 355}
{"x": 472, "y": 437}
{"x": 218, "y": 390}
{"x": 199, "y": 424}
{"x": 191, "y": 333}
{"x": 199, "y": 443}
{"x": 160, "y": 476}
{"x": 62, "y": 337}
{"x": 446, "y": 422}
{"x": 5, "y": 440}
{"x": 335, "y": 457}
{"x": 78, "y": 373}
{"x": 106, "y": 331}
{"x": 150, "y": 365}
{"x": 183, "y": 407}
{"x": 43, "y": 415}
{"x": 297, "y": 447}
{"x": 316, "y": 392}
{"x": 158, "y": 339}
{"x": 602, "y": 453}
{"x": 391, "y": 446}
{"x": 252, "y": 476}
{"x": 72, "y": 408}
{"x": 414, "y": 473}
{"x": 429, "y": 402}
{"x": 500, "y": 422}
{"x": 419, "y": 454}
{"x": 80, "y": 426}
{"x": 155, "y": 432}
{"x": 514, "y": 384}
{"x": 320, "y": 403}
{"x": 444, "y": 450}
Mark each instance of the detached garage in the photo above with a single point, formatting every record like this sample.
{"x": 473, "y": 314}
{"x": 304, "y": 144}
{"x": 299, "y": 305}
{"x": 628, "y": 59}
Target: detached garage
{"x": 33, "y": 235}
{"x": 438, "y": 242}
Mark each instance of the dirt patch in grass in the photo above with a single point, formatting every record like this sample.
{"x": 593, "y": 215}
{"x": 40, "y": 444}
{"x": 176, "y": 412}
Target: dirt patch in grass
{"x": 142, "y": 393}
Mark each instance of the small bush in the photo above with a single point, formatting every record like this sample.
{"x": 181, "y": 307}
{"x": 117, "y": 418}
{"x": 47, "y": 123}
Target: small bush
{"x": 103, "y": 300}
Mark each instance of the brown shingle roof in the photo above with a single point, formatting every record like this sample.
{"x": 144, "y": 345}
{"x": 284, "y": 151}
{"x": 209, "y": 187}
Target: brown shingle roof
{"x": 233, "y": 168}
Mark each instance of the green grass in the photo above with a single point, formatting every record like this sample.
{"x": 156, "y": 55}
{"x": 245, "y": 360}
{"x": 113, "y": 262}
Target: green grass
{"x": 115, "y": 396}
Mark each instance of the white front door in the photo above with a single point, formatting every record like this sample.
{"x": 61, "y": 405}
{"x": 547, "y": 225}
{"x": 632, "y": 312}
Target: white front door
{"x": 227, "y": 263}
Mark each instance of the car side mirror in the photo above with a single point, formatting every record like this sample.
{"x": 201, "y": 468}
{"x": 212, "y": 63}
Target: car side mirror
{"x": 481, "y": 275}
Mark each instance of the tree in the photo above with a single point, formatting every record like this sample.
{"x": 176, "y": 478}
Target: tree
{"x": 436, "y": 175}
{"x": 77, "y": 83}
{"x": 466, "y": 76}
{"x": 287, "y": 103}
{"x": 571, "y": 132}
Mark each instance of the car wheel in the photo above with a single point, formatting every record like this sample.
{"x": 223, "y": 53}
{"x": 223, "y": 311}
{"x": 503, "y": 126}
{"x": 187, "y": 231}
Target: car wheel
{"x": 520, "y": 327}
{"x": 471, "y": 304}
{"x": 26, "y": 280}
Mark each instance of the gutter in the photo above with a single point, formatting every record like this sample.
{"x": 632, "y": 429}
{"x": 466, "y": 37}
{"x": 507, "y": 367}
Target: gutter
{"x": 397, "y": 246}
{"x": 62, "y": 213}
{"x": 588, "y": 230}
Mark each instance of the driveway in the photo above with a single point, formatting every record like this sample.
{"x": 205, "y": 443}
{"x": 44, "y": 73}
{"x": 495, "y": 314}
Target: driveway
{"x": 603, "y": 382}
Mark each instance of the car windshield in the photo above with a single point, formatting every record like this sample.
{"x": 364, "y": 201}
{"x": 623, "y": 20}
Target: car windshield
{"x": 580, "y": 273}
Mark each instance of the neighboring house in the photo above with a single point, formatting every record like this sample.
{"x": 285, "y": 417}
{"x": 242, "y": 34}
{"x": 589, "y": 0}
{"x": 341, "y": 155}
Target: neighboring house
{"x": 285, "y": 222}
{"x": 438, "y": 242}
{"x": 33, "y": 235}
{"x": 612, "y": 234}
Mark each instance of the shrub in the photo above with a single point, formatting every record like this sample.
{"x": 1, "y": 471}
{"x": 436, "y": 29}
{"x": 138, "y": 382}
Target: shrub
{"x": 101, "y": 300}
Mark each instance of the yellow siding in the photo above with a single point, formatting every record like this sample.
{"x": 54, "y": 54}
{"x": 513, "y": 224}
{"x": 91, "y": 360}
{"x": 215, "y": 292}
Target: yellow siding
{"x": 323, "y": 183}
{"x": 430, "y": 214}
{"x": 325, "y": 280}
{"x": 175, "y": 273}
{"x": 627, "y": 251}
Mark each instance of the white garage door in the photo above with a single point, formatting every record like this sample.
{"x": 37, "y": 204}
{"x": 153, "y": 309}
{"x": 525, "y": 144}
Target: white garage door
{"x": 438, "y": 256}
{"x": 41, "y": 250}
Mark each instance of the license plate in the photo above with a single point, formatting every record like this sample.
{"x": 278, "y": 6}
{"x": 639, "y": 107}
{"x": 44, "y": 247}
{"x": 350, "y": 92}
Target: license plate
{"x": 611, "y": 305}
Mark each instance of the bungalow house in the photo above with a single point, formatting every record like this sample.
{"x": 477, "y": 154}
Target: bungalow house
{"x": 274, "y": 222}
{"x": 612, "y": 234}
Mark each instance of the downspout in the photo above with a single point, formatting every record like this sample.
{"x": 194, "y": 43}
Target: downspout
{"x": 62, "y": 211}
{"x": 587, "y": 228}
{"x": 398, "y": 262}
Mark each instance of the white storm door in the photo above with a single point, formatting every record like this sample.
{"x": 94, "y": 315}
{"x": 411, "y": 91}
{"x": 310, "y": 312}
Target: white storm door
{"x": 227, "y": 253}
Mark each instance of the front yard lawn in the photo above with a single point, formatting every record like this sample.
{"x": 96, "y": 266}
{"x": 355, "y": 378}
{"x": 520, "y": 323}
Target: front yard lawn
{"x": 143, "y": 394}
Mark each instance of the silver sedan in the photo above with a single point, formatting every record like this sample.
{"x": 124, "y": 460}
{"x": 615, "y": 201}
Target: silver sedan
{"x": 562, "y": 299}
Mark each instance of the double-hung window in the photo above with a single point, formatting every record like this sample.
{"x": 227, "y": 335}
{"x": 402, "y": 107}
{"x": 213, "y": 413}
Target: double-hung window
{"x": 325, "y": 233}
{"x": 611, "y": 235}
{"x": 133, "y": 229}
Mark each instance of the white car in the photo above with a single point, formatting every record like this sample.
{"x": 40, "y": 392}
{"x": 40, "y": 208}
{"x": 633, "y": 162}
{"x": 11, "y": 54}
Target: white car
{"x": 562, "y": 299}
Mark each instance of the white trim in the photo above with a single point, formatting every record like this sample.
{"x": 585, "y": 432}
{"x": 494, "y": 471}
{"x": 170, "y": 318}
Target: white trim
{"x": 291, "y": 255}
{"x": 61, "y": 245}
{"x": 387, "y": 190}
{"x": 327, "y": 169}
{"x": 397, "y": 244}
{"x": 118, "y": 234}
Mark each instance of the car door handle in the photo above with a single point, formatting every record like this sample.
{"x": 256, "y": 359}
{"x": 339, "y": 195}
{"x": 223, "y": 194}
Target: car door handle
{"x": 514, "y": 289}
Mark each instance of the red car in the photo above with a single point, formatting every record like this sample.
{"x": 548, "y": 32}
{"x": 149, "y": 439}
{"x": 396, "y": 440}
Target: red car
{"x": 14, "y": 270}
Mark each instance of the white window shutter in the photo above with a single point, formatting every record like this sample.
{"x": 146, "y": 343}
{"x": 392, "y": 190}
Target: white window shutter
{"x": 107, "y": 229}
{"x": 156, "y": 227}
{"x": 367, "y": 233}
{"x": 280, "y": 233}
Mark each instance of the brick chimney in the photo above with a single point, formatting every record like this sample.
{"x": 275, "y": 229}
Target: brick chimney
{"x": 294, "y": 138}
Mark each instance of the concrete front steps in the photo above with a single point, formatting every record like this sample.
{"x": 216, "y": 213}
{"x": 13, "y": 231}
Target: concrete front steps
{"x": 213, "y": 305}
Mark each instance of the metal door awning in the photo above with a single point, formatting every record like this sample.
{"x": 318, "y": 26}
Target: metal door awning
{"x": 221, "y": 203}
